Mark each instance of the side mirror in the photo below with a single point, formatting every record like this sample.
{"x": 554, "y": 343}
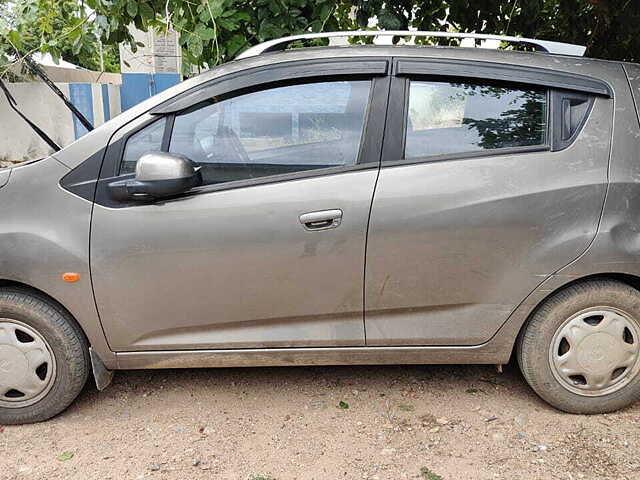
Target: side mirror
{"x": 158, "y": 175}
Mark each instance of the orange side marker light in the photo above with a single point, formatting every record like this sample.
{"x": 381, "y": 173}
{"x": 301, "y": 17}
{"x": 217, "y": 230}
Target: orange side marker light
{"x": 71, "y": 277}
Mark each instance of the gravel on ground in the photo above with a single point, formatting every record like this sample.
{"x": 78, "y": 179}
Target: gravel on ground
{"x": 325, "y": 423}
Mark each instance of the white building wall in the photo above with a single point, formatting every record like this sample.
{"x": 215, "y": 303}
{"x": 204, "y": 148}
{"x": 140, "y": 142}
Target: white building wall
{"x": 17, "y": 140}
{"x": 114, "y": 100}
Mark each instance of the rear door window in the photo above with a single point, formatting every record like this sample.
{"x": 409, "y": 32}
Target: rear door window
{"x": 448, "y": 118}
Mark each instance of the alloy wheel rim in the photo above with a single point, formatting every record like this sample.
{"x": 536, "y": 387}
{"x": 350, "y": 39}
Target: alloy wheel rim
{"x": 595, "y": 352}
{"x": 27, "y": 365}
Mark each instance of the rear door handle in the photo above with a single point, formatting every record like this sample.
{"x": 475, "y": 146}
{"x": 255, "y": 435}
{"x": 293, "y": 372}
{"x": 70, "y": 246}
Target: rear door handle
{"x": 321, "y": 220}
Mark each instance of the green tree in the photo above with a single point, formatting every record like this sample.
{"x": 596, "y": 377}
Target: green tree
{"x": 211, "y": 31}
{"x": 607, "y": 27}
{"x": 63, "y": 28}
{"x": 214, "y": 31}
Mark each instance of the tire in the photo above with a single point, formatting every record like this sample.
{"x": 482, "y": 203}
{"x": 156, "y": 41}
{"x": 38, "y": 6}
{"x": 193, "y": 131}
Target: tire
{"x": 44, "y": 333}
{"x": 569, "y": 349}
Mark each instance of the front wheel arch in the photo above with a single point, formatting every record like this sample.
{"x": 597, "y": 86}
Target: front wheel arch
{"x": 28, "y": 289}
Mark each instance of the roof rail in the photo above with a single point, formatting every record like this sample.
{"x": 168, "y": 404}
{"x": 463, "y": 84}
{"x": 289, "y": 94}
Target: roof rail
{"x": 540, "y": 45}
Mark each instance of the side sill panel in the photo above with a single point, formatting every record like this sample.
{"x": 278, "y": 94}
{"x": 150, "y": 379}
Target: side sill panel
{"x": 496, "y": 351}
{"x": 310, "y": 356}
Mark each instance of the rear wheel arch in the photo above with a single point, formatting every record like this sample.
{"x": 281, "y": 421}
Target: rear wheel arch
{"x": 625, "y": 278}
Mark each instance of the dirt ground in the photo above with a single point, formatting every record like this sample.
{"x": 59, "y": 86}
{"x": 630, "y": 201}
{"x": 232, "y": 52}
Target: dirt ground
{"x": 392, "y": 422}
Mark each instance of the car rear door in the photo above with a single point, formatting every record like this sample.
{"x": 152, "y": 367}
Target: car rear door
{"x": 493, "y": 177}
{"x": 269, "y": 252}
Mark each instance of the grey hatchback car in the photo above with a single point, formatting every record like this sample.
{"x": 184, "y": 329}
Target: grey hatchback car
{"x": 338, "y": 205}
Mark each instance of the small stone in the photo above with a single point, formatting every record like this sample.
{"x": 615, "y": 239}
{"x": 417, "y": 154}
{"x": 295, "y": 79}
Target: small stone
{"x": 388, "y": 451}
{"x": 442, "y": 421}
{"x": 521, "y": 435}
{"x": 520, "y": 420}
{"x": 491, "y": 418}
{"x": 154, "y": 467}
{"x": 195, "y": 463}
{"x": 434, "y": 430}
{"x": 497, "y": 436}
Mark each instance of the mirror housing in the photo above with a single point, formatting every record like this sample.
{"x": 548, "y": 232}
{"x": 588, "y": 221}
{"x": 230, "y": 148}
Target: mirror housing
{"x": 158, "y": 175}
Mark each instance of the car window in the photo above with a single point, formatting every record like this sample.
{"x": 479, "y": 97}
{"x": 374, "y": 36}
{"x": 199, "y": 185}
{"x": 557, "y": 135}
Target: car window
{"x": 276, "y": 131}
{"x": 149, "y": 139}
{"x": 446, "y": 118}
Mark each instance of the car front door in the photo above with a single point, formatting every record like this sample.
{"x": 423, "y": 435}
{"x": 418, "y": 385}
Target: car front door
{"x": 487, "y": 186}
{"x": 269, "y": 252}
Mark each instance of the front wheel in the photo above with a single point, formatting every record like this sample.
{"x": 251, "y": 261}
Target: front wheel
{"x": 44, "y": 361}
{"x": 580, "y": 350}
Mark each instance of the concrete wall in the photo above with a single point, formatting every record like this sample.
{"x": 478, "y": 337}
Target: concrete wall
{"x": 70, "y": 75}
{"x": 161, "y": 53}
{"x": 98, "y": 102}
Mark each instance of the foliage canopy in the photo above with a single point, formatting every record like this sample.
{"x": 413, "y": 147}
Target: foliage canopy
{"x": 87, "y": 32}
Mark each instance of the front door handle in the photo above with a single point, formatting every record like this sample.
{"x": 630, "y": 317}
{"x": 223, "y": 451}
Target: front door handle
{"x": 321, "y": 220}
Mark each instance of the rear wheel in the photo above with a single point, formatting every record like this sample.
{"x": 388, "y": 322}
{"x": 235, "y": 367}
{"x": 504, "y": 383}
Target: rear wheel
{"x": 44, "y": 360}
{"x": 580, "y": 350}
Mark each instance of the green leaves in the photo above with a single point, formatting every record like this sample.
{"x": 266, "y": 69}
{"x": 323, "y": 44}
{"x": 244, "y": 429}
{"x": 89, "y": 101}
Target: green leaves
{"x": 195, "y": 45}
{"x": 15, "y": 39}
{"x": 132, "y": 8}
{"x": 215, "y": 8}
{"x": 146, "y": 12}
{"x": 63, "y": 28}
{"x": 343, "y": 405}
{"x": 204, "y": 32}
{"x": 65, "y": 456}
{"x": 214, "y": 31}
{"x": 235, "y": 44}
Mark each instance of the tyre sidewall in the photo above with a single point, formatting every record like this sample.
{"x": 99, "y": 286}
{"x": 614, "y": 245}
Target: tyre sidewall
{"x": 69, "y": 349}
{"x": 536, "y": 340}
